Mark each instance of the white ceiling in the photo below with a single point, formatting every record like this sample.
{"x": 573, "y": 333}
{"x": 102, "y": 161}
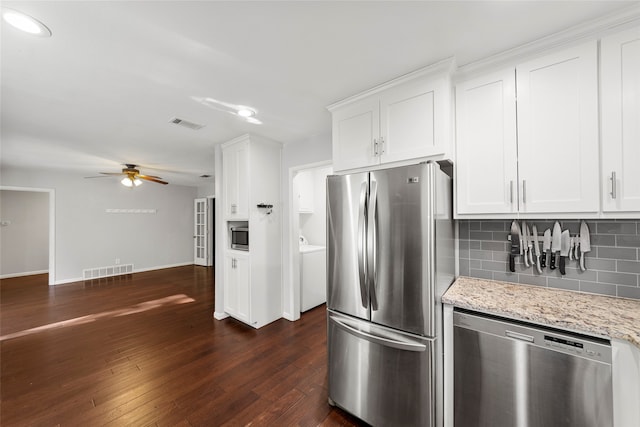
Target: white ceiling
{"x": 101, "y": 90}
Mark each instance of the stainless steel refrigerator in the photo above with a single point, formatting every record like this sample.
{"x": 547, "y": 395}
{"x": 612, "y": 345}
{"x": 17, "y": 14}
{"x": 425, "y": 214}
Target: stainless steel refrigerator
{"x": 390, "y": 238}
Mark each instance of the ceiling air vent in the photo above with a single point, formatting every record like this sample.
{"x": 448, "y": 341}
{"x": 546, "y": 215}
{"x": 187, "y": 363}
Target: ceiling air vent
{"x": 186, "y": 123}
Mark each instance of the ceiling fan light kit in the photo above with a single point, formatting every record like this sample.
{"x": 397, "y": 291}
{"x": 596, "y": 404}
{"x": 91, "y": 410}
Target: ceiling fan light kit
{"x": 130, "y": 181}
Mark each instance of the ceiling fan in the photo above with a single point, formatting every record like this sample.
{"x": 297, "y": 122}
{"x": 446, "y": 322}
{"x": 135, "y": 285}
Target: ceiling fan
{"x": 132, "y": 176}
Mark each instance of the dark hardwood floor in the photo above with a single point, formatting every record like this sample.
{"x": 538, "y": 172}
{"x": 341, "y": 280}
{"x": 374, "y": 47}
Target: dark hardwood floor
{"x": 144, "y": 349}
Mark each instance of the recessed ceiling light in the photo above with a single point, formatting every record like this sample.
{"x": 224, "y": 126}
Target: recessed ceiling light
{"x": 25, "y": 23}
{"x": 246, "y": 112}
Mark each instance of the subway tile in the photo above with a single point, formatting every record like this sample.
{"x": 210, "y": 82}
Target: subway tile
{"x": 617, "y": 253}
{"x": 616, "y": 228}
{"x": 463, "y": 244}
{"x": 494, "y": 246}
{"x": 603, "y": 240}
{"x": 475, "y": 263}
{"x": 568, "y": 284}
{"x": 481, "y": 274}
{"x": 532, "y": 280}
{"x": 618, "y": 278}
{"x": 480, "y": 255}
{"x": 463, "y": 253}
{"x": 576, "y": 273}
{"x": 628, "y": 241}
{"x": 463, "y": 229}
{"x": 495, "y": 226}
{"x": 591, "y": 263}
{"x": 500, "y": 236}
{"x": 572, "y": 226}
{"x": 505, "y": 276}
{"x": 480, "y": 235}
{"x": 474, "y": 244}
{"x": 629, "y": 292}
{"x": 463, "y": 266}
{"x": 501, "y": 256}
{"x": 629, "y": 267}
{"x": 598, "y": 288}
{"x": 474, "y": 225}
{"x": 495, "y": 266}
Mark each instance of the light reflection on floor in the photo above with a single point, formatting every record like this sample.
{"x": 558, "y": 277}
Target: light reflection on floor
{"x": 138, "y": 308}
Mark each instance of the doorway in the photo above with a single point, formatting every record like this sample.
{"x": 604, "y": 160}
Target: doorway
{"x": 32, "y": 243}
{"x": 307, "y": 258}
{"x": 203, "y": 231}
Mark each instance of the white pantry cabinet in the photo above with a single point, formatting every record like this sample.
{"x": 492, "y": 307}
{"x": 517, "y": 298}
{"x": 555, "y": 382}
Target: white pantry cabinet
{"x": 237, "y": 286}
{"x": 235, "y": 170}
{"x": 620, "y": 114}
{"x": 305, "y": 193}
{"x": 253, "y": 278}
{"x": 527, "y": 137}
{"x": 407, "y": 118}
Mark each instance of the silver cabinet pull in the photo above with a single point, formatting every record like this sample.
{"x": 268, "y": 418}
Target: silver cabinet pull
{"x": 524, "y": 191}
{"x": 234, "y": 208}
{"x": 381, "y": 145}
{"x": 613, "y": 184}
{"x": 375, "y": 147}
{"x": 511, "y": 192}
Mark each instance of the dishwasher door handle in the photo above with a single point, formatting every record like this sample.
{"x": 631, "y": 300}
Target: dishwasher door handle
{"x": 519, "y": 336}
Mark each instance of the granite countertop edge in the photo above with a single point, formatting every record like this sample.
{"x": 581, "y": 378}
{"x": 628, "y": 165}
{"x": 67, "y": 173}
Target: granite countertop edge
{"x": 603, "y": 316}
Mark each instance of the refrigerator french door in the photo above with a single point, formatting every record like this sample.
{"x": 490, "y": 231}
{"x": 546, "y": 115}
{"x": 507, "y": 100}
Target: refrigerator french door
{"x": 383, "y": 289}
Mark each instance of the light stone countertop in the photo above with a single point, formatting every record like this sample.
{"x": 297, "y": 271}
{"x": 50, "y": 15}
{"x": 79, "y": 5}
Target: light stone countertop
{"x": 599, "y": 315}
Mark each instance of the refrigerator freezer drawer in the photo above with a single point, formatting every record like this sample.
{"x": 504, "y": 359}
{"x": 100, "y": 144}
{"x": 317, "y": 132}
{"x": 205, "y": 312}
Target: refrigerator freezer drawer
{"x": 382, "y": 376}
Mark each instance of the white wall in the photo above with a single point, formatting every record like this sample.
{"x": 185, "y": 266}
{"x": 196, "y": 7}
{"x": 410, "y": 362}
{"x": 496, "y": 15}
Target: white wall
{"x": 24, "y": 239}
{"x": 86, "y": 236}
{"x": 313, "y": 150}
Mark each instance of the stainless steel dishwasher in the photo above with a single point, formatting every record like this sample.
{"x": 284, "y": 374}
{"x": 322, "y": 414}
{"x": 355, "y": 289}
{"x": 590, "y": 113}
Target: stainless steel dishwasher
{"x": 515, "y": 374}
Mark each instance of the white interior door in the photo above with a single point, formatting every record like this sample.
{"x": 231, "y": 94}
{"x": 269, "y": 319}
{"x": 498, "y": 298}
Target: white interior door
{"x": 201, "y": 247}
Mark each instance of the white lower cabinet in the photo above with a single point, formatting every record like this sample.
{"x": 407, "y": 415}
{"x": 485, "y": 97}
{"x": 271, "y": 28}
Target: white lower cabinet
{"x": 237, "y": 286}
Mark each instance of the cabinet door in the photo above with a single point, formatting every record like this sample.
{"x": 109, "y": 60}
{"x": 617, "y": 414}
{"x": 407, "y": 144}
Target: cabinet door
{"x": 414, "y": 120}
{"x": 486, "y": 167}
{"x": 620, "y": 59}
{"x": 558, "y": 131}
{"x": 235, "y": 168}
{"x": 356, "y": 130}
{"x": 304, "y": 187}
{"x": 237, "y": 295}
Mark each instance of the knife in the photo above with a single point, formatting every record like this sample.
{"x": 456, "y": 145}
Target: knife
{"x": 530, "y": 246}
{"x": 565, "y": 241}
{"x": 555, "y": 244}
{"x": 572, "y": 246}
{"x": 546, "y": 247}
{"x": 516, "y": 248}
{"x": 585, "y": 243}
{"x": 525, "y": 243}
{"x": 536, "y": 248}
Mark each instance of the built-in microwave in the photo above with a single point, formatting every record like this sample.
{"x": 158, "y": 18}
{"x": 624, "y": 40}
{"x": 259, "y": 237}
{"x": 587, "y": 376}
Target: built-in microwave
{"x": 239, "y": 238}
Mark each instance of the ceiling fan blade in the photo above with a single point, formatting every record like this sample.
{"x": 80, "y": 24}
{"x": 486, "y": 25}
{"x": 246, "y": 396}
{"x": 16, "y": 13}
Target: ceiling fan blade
{"x": 99, "y": 176}
{"x": 152, "y": 179}
{"x": 112, "y": 173}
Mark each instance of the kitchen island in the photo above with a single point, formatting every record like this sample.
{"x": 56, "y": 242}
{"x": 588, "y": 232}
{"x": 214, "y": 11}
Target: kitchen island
{"x": 611, "y": 318}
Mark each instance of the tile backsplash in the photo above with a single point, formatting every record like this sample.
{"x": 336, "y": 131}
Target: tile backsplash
{"x": 613, "y": 265}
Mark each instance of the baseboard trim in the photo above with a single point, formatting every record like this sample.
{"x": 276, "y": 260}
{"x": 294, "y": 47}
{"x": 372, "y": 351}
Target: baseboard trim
{"x": 25, "y": 273}
{"x": 138, "y": 270}
{"x": 219, "y": 316}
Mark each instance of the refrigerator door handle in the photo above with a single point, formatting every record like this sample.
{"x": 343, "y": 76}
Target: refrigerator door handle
{"x": 362, "y": 246}
{"x": 387, "y": 342}
{"x": 372, "y": 243}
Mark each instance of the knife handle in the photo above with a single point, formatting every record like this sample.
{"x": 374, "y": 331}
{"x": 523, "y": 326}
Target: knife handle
{"x": 512, "y": 263}
{"x": 582, "y": 266}
{"x": 543, "y": 260}
{"x": 552, "y": 261}
{"x": 562, "y": 271}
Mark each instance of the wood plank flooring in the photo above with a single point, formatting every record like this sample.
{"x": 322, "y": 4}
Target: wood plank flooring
{"x": 144, "y": 350}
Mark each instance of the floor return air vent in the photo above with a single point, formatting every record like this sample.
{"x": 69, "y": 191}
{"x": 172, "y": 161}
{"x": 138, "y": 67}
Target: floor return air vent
{"x": 112, "y": 270}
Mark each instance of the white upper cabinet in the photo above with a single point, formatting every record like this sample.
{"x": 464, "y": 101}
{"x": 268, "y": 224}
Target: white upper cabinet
{"x": 235, "y": 175}
{"x": 408, "y": 118}
{"x": 356, "y": 130}
{"x": 486, "y": 167}
{"x": 557, "y": 99}
{"x": 548, "y": 165}
{"x": 620, "y": 113}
